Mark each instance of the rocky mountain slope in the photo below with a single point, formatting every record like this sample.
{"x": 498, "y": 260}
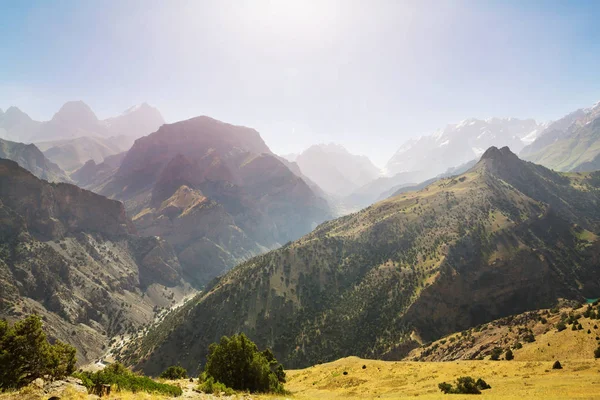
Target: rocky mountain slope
{"x": 32, "y": 159}
{"x": 215, "y": 192}
{"x": 569, "y": 144}
{"x": 459, "y": 143}
{"x": 72, "y": 256}
{"x": 335, "y": 170}
{"x": 561, "y": 333}
{"x": 92, "y": 175}
{"x": 505, "y": 237}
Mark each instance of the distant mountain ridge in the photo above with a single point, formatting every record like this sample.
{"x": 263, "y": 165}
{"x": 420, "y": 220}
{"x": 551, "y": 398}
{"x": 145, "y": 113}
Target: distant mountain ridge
{"x": 504, "y": 237}
{"x": 31, "y": 158}
{"x": 71, "y": 154}
{"x": 76, "y": 119}
{"x": 570, "y": 144}
{"x": 335, "y": 170}
{"x": 459, "y": 143}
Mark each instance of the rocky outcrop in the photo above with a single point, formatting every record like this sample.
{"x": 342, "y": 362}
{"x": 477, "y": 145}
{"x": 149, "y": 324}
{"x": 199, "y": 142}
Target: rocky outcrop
{"x": 54, "y": 210}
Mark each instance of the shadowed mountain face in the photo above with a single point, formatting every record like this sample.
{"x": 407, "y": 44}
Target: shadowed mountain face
{"x": 215, "y": 191}
{"x": 570, "y": 144}
{"x": 71, "y": 255}
{"x": 502, "y": 238}
{"x": 32, "y": 159}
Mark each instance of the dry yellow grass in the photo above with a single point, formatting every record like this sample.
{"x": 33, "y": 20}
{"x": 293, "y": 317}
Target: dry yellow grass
{"x": 403, "y": 379}
{"x": 579, "y": 379}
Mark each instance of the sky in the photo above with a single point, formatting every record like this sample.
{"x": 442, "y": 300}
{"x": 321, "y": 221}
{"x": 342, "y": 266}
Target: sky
{"x": 366, "y": 74}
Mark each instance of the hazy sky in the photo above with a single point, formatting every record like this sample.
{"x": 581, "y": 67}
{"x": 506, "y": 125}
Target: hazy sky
{"x": 366, "y": 74}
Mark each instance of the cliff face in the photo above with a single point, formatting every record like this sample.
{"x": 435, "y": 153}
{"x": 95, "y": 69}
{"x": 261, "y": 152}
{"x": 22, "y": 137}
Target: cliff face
{"x": 54, "y": 210}
{"x": 72, "y": 256}
{"x": 505, "y": 237}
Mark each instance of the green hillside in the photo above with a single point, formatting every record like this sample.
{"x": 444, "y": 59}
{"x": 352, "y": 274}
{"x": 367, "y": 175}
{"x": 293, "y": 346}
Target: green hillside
{"x": 505, "y": 237}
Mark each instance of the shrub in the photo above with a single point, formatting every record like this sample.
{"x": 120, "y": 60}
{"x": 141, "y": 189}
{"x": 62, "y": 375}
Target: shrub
{"x": 123, "y": 379}
{"x": 482, "y": 385}
{"x": 496, "y": 352}
{"x": 209, "y": 386}
{"x": 509, "y": 355}
{"x": 174, "y": 372}
{"x": 464, "y": 385}
{"x": 26, "y": 354}
{"x": 529, "y": 338}
{"x": 556, "y": 365}
{"x": 236, "y": 362}
{"x": 518, "y": 345}
{"x": 597, "y": 352}
{"x": 561, "y": 326}
{"x": 446, "y": 388}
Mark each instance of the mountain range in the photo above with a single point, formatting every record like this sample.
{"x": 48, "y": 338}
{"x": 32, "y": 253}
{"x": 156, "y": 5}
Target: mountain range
{"x": 76, "y": 119}
{"x": 502, "y": 238}
{"x": 459, "y": 143}
{"x": 570, "y": 144}
{"x": 75, "y": 135}
{"x": 162, "y": 210}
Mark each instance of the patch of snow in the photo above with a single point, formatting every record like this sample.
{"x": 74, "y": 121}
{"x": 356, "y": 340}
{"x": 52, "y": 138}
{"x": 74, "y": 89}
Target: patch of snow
{"x": 445, "y": 142}
{"x": 478, "y": 151}
{"x": 531, "y": 136}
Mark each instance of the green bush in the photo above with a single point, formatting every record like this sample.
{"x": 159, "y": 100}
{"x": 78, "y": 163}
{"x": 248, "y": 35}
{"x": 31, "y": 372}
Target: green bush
{"x": 464, "y": 385}
{"x": 174, "y": 372}
{"x": 209, "y": 386}
{"x": 561, "y": 326}
{"x": 597, "y": 352}
{"x": 509, "y": 355}
{"x": 236, "y": 362}
{"x": 26, "y": 354}
{"x": 496, "y": 352}
{"x": 116, "y": 375}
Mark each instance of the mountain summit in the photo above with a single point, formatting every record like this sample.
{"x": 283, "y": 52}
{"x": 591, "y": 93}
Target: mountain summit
{"x": 215, "y": 191}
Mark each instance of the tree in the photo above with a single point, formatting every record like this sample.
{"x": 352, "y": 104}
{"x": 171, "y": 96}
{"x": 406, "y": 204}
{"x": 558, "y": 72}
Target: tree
{"x": 496, "y": 352}
{"x": 174, "y": 372}
{"x": 597, "y": 352}
{"x": 509, "y": 355}
{"x": 26, "y": 354}
{"x": 236, "y": 362}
